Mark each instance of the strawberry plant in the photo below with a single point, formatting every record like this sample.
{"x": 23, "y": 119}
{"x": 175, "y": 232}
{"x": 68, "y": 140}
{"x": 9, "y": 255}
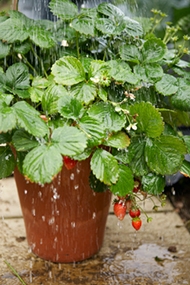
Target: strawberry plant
{"x": 95, "y": 84}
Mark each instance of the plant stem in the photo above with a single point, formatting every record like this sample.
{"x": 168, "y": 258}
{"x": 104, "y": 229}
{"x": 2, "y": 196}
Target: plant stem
{"x": 28, "y": 63}
{"x": 77, "y": 45}
{"x": 40, "y": 60}
{"x": 15, "y": 272}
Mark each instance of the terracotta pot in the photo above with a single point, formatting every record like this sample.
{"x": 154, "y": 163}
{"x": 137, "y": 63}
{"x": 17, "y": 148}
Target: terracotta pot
{"x": 65, "y": 220}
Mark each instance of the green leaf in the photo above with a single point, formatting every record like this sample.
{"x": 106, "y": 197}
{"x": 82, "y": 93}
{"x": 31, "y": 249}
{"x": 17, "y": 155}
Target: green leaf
{"x": 7, "y": 161}
{"x": 130, "y": 53}
{"x": 7, "y": 118}
{"x": 98, "y": 70}
{"x": 187, "y": 142}
{"x": 181, "y": 99}
{"x": 165, "y": 155}
{"x": 35, "y": 94}
{"x": 93, "y": 128}
{"x": 4, "y": 50}
{"x": 118, "y": 140}
{"x": 41, "y": 37}
{"x": 125, "y": 183}
{"x": 121, "y": 155}
{"x": 26, "y": 21}
{"x": 84, "y": 155}
{"x": 5, "y": 99}
{"x": 149, "y": 72}
{"x": 106, "y": 26}
{"x": 13, "y": 30}
{"x": 185, "y": 168}
{"x": 133, "y": 28}
{"x": 51, "y": 97}
{"x": 147, "y": 94}
{"x": 105, "y": 112}
{"x": 149, "y": 120}
{"x": 69, "y": 140}
{"x": 121, "y": 72}
{"x": 40, "y": 82}
{"x": 29, "y": 119}
{"x": 37, "y": 90}
{"x": 64, "y": 9}
{"x": 68, "y": 70}
{"x": 102, "y": 94}
{"x": 110, "y": 10}
{"x": 70, "y": 108}
{"x": 23, "y": 141}
{"x": 153, "y": 50}
{"x": 42, "y": 163}
{"x": 23, "y": 47}
{"x": 104, "y": 166}
{"x": 167, "y": 85}
{"x": 153, "y": 184}
{"x": 136, "y": 155}
{"x": 96, "y": 185}
{"x": 84, "y": 92}
{"x": 83, "y": 25}
{"x": 17, "y": 76}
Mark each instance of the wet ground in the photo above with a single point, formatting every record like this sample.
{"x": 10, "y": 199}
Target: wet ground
{"x": 158, "y": 254}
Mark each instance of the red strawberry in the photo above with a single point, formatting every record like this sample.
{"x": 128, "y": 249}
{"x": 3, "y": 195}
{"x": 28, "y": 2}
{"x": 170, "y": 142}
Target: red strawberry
{"x": 69, "y": 162}
{"x": 134, "y": 212}
{"x": 120, "y": 210}
{"x": 136, "y": 223}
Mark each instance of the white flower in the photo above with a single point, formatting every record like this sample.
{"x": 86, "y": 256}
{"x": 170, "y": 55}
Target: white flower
{"x": 95, "y": 79}
{"x": 132, "y": 126}
{"x": 19, "y": 55}
{"x": 130, "y": 95}
{"x": 64, "y": 43}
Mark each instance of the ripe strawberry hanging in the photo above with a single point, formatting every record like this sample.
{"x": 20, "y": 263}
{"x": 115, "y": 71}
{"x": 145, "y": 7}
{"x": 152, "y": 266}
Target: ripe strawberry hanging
{"x": 120, "y": 210}
{"x": 134, "y": 212}
{"x": 136, "y": 223}
{"x": 69, "y": 162}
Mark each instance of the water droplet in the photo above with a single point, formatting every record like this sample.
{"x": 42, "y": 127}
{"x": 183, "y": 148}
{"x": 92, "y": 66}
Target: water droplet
{"x": 25, "y": 191}
{"x": 43, "y": 218}
{"x": 94, "y": 215}
{"x": 50, "y": 274}
{"x": 51, "y": 221}
{"x": 73, "y": 224}
{"x": 56, "y": 196}
{"x": 76, "y": 187}
{"x": 173, "y": 191}
{"x": 41, "y": 241}
{"x": 40, "y": 194}
{"x": 33, "y": 212}
{"x": 72, "y": 176}
{"x": 29, "y": 250}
